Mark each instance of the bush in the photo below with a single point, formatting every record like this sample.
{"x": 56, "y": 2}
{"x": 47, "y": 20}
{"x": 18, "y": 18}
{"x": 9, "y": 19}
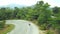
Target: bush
{"x": 2, "y": 24}
{"x": 43, "y": 27}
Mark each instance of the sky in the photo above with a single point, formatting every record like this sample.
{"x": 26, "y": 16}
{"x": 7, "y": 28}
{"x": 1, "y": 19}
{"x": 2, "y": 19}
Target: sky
{"x": 29, "y": 2}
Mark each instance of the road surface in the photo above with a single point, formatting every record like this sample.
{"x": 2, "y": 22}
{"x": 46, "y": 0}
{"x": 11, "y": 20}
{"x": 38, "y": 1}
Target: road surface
{"x": 23, "y": 27}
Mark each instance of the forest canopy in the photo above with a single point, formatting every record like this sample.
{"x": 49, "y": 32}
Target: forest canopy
{"x": 41, "y": 12}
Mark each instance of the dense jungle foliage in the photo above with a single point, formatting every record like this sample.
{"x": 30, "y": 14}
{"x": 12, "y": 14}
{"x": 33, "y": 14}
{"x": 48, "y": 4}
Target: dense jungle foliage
{"x": 45, "y": 16}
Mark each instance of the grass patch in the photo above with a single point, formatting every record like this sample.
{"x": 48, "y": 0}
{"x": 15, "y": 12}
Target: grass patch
{"x": 50, "y": 32}
{"x": 7, "y": 29}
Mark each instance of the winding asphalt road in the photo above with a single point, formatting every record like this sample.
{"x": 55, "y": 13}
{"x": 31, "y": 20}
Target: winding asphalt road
{"x": 23, "y": 27}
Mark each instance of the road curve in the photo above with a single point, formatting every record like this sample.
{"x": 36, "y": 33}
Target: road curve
{"x": 23, "y": 27}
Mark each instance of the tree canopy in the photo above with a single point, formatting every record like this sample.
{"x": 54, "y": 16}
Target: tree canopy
{"x": 41, "y": 12}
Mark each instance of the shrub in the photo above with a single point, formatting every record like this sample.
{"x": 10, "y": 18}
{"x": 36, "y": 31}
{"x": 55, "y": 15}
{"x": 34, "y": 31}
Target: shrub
{"x": 2, "y": 24}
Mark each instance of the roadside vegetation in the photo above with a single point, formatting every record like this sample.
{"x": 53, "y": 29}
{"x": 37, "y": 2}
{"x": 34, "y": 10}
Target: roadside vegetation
{"x": 8, "y": 28}
{"x": 41, "y": 13}
{"x": 5, "y": 28}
